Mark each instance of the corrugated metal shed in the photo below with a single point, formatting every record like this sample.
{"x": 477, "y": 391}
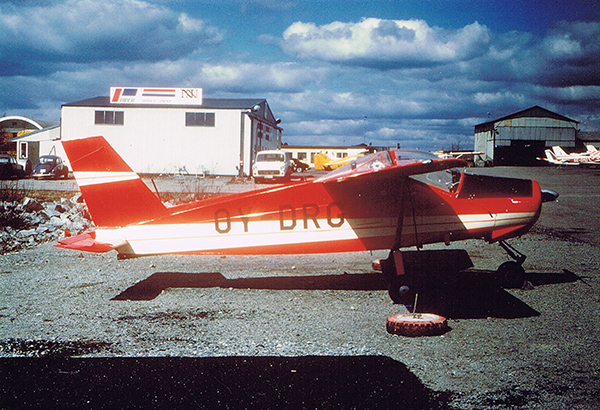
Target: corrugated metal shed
{"x": 518, "y": 138}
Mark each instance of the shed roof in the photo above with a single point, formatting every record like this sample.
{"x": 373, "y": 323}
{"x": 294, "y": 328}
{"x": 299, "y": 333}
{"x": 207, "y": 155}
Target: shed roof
{"x": 215, "y": 103}
{"x": 532, "y": 112}
{"x": 35, "y": 135}
{"x": 23, "y": 123}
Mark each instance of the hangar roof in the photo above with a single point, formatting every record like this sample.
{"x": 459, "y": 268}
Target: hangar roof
{"x": 532, "y": 112}
{"x": 16, "y": 123}
{"x": 216, "y": 103}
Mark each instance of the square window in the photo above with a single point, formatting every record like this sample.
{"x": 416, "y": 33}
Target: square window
{"x": 199, "y": 119}
{"x": 99, "y": 117}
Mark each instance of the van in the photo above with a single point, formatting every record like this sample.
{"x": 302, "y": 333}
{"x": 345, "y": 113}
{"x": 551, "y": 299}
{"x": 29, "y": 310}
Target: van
{"x": 272, "y": 164}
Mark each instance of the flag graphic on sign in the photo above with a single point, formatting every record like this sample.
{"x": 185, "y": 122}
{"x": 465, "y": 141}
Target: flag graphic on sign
{"x": 125, "y": 92}
{"x": 158, "y": 92}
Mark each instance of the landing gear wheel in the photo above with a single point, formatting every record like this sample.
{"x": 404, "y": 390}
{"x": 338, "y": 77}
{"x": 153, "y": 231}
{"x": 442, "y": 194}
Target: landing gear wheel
{"x": 416, "y": 324}
{"x": 511, "y": 275}
{"x": 400, "y": 294}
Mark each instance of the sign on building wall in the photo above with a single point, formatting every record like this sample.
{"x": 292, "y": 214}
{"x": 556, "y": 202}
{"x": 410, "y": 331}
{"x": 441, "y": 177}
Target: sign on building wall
{"x": 148, "y": 95}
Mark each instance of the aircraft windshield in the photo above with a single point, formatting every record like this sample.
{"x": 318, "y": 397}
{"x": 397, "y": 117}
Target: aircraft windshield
{"x": 448, "y": 179}
{"x": 368, "y": 163}
{"x": 413, "y": 155}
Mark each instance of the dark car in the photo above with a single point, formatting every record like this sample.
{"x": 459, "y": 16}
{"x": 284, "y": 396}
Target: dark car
{"x": 10, "y": 168}
{"x": 50, "y": 166}
{"x": 299, "y": 166}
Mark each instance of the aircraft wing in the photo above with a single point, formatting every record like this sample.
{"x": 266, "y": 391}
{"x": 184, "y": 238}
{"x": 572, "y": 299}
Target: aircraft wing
{"x": 397, "y": 164}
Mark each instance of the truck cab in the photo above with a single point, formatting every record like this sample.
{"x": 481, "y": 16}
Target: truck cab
{"x": 272, "y": 165}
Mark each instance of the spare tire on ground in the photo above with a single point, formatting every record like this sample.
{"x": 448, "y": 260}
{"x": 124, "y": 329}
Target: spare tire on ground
{"x": 417, "y": 324}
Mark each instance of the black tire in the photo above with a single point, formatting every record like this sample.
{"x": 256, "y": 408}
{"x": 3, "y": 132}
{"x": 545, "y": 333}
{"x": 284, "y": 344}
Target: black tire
{"x": 400, "y": 293}
{"x": 510, "y": 275}
{"x": 398, "y": 289}
{"x": 414, "y": 325}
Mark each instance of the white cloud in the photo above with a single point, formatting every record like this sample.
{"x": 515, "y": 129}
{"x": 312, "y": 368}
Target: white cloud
{"x": 281, "y": 76}
{"x": 91, "y": 30}
{"x": 375, "y": 80}
{"x": 573, "y": 40}
{"x": 560, "y": 46}
{"x": 376, "y": 41}
{"x": 498, "y": 98}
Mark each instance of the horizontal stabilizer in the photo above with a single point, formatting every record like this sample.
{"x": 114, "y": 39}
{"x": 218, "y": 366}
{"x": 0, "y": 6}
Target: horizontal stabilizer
{"x": 84, "y": 242}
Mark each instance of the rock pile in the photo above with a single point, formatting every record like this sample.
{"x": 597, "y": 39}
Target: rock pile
{"x": 30, "y": 222}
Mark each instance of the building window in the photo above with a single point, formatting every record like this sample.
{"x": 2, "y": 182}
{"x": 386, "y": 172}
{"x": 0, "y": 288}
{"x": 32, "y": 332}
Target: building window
{"x": 22, "y": 150}
{"x": 109, "y": 117}
{"x": 302, "y": 156}
{"x": 199, "y": 119}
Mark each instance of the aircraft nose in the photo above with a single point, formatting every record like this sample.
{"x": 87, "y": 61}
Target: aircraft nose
{"x": 548, "y": 195}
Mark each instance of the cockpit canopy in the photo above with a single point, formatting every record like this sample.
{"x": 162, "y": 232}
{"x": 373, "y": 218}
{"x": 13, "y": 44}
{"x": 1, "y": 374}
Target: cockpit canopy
{"x": 377, "y": 161}
{"x": 452, "y": 180}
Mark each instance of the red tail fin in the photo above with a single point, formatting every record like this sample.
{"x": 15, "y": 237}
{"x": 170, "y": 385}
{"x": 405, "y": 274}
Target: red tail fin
{"x": 114, "y": 194}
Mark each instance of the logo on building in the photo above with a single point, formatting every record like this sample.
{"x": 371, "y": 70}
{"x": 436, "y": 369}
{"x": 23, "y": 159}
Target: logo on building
{"x": 146, "y": 95}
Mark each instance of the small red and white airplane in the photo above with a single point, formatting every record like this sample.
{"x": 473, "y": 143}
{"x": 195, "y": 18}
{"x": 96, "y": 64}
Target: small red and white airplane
{"x": 385, "y": 200}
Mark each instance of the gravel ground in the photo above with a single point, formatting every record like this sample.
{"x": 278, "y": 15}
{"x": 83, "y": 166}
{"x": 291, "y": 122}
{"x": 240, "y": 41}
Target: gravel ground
{"x": 81, "y": 330}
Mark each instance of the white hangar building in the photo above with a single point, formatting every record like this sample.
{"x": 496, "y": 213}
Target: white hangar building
{"x": 518, "y": 138}
{"x": 174, "y": 130}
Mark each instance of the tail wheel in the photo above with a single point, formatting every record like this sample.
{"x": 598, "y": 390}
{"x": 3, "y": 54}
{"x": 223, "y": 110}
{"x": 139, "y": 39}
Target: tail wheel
{"x": 397, "y": 285}
{"x": 400, "y": 294}
{"x": 417, "y": 324}
{"x": 511, "y": 275}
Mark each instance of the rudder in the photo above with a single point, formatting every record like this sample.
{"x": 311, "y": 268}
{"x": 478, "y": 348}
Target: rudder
{"x": 115, "y": 195}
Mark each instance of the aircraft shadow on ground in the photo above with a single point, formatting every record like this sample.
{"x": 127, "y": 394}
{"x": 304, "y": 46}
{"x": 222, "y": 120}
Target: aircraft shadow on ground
{"x": 151, "y": 287}
{"x": 444, "y": 289}
{"x": 359, "y": 382}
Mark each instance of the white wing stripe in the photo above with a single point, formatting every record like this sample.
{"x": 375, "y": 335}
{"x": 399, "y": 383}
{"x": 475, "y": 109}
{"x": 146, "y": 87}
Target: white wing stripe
{"x": 85, "y": 178}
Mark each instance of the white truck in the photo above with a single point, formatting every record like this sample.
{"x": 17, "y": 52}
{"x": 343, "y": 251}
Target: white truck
{"x": 272, "y": 164}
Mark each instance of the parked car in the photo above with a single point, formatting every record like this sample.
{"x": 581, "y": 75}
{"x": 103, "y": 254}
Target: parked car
{"x": 273, "y": 164}
{"x": 299, "y": 166}
{"x": 10, "y": 168}
{"x": 50, "y": 166}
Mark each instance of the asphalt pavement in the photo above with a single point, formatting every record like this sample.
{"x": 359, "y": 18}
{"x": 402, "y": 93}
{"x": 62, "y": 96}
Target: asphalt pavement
{"x": 81, "y": 330}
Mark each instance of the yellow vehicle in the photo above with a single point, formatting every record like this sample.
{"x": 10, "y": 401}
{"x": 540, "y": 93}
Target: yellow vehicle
{"x": 325, "y": 162}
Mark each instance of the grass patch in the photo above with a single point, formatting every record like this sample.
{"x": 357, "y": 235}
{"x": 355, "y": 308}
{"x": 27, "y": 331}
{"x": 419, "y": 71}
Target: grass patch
{"x": 11, "y": 192}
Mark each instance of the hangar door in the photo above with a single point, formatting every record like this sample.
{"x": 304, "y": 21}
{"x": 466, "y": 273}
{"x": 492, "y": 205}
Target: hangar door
{"x": 520, "y": 152}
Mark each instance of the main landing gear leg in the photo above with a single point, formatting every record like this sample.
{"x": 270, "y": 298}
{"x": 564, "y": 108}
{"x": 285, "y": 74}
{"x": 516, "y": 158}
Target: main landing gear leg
{"x": 511, "y": 274}
{"x": 396, "y": 278}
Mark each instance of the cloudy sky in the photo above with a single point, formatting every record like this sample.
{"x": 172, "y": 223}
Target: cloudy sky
{"x": 419, "y": 73}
